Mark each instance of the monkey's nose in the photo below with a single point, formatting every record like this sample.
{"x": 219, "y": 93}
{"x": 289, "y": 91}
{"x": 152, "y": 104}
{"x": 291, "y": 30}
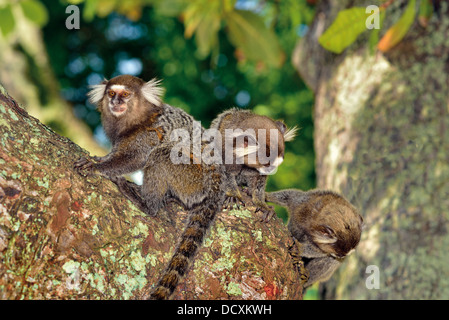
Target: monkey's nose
{"x": 116, "y": 102}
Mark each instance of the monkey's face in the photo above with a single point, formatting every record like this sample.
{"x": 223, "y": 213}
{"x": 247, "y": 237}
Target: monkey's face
{"x": 118, "y": 98}
{"x": 126, "y": 94}
{"x": 337, "y": 226}
{"x": 267, "y": 145}
{"x": 256, "y": 150}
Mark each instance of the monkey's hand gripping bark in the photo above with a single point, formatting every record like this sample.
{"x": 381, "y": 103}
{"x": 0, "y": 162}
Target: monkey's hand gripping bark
{"x": 86, "y": 167}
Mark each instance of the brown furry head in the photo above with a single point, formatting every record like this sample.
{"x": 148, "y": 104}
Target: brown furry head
{"x": 334, "y": 225}
{"x": 257, "y": 141}
{"x": 126, "y": 101}
{"x": 118, "y": 91}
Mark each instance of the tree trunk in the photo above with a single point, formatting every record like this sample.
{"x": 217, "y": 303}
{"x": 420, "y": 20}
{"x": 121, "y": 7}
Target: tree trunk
{"x": 63, "y": 236}
{"x": 381, "y": 138}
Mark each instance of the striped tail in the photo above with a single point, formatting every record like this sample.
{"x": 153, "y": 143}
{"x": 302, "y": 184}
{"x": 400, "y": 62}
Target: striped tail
{"x": 200, "y": 219}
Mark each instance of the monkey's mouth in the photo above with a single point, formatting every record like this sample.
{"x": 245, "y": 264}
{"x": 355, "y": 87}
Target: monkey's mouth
{"x": 267, "y": 170}
{"x": 118, "y": 109}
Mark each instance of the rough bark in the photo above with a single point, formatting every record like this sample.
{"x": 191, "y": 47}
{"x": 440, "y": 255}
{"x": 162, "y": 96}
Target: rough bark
{"x": 63, "y": 236}
{"x": 382, "y": 139}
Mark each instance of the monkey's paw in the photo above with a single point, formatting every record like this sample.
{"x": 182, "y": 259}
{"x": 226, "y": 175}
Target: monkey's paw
{"x": 267, "y": 213}
{"x": 235, "y": 198}
{"x": 231, "y": 201}
{"x": 84, "y": 167}
{"x": 295, "y": 254}
{"x": 97, "y": 159}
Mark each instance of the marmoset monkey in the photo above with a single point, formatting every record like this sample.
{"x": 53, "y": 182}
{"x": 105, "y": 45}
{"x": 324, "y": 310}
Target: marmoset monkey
{"x": 325, "y": 224}
{"x": 259, "y": 139}
{"x": 135, "y": 120}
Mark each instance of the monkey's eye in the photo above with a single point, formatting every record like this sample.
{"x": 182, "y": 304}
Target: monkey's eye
{"x": 111, "y": 93}
{"x": 125, "y": 94}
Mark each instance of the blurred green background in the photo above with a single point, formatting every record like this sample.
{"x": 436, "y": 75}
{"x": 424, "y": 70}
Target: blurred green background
{"x": 211, "y": 55}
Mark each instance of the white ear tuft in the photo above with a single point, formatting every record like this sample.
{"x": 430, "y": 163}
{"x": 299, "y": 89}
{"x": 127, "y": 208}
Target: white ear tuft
{"x": 245, "y": 151}
{"x": 245, "y": 143}
{"x": 96, "y": 93}
{"x": 152, "y": 92}
{"x": 319, "y": 238}
{"x": 324, "y": 234}
{"x": 290, "y": 134}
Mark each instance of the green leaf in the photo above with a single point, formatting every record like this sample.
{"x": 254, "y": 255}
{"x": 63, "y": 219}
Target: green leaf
{"x": 35, "y": 11}
{"x": 399, "y": 29}
{"x": 247, "y": 31}
{"x": 105, "y": 7}
{"x": 74, "y": 1}
{"x": 345, "y": 29}
{"x": 90, "y": 8}
{"x": 206, "y": 36}
{"x": 204, "y": 21}
{"x": 171, "y": 8}
{"x": 7, "y": 22}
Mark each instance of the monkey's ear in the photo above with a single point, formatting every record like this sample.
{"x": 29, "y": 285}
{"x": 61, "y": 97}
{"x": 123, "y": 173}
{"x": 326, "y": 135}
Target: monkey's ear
{"x": 281, "y": 126}
{"x": 153, "y": 92}
{"x": 290, "y": 134}
{"x": 96, "y": 92}
{"x": 362, "y": 223}
{"x": 323, "y": 234}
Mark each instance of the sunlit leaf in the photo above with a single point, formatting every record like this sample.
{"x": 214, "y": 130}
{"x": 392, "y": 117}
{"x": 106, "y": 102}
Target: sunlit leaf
{"x": 228, "y": 5}
{"x": 90, "y": 8}
{"x": 397, "y": 32}
{"x": 247, "y": 31}
{"x": 35, "y": 11}
{"x": 206, "y": 36}
{"x": 75, "y": 1}
{"x": 345, "y": 29}
{"x": 193, "y": 15}
{"x": 202, "y": 18}
{"x": 132, "y": 10}
{"x": 105, "y": 7}
{"x": 7, "y": 22}
{"x": 171, "y": 8}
